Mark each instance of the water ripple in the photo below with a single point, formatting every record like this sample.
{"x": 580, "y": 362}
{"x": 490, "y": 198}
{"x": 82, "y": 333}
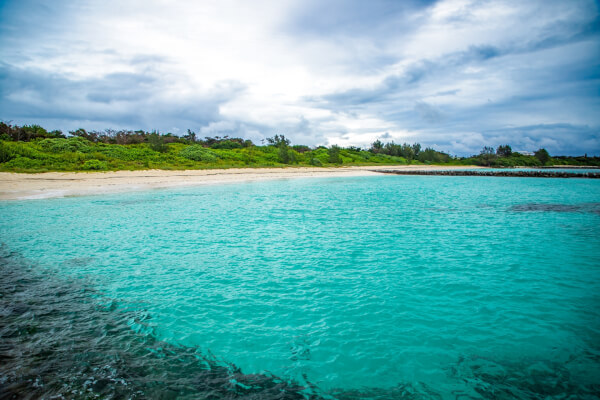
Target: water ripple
{"x": 384, "y": 287}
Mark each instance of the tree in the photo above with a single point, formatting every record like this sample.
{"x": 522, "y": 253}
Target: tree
{"x": 279, "y": 141}
{"x": 6, "y": 153}
{"x": 282, "y": 143}
{"x": 542, "y": 155}
{"x": 504, "y": 151}
{"x": 408, "y": 152}
{"x": 284, "y": 155}
{"x": 487, "y": 150}
{"x": 416, "y": 148}
{"x": 91, "y": 136}
{"x": 487, "y": 156}
{"x": 312, "y": 160}
{"x": 334, "y": 154}
{"x": 376, "y": 146}
{"x": 34, "y": 131}
{"x": 430, "y": 155}
{"x": 392, "y": 149}
{"x": 157, "y": 142}
{"x": 191, "y": 136}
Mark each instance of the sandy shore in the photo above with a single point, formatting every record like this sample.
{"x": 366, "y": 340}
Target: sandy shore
{"x": 60, "y": 184}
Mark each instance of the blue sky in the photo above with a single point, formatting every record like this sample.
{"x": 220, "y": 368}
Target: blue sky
{"x": 454, "y": 74}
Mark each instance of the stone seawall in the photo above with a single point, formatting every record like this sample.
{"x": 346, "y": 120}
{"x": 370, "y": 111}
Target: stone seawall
{"x": 519, "y": 174}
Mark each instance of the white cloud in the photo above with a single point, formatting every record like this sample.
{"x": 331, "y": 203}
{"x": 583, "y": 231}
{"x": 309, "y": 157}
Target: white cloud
{"x": 430, "y": 73}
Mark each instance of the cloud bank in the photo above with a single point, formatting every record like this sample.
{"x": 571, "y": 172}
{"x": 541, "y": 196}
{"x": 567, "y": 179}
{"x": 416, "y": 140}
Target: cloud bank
{"x": 453, "y": 74}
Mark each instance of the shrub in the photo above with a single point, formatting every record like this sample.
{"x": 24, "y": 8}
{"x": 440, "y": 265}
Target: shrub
{"x": 315, "y": 161}
{"x": 94, "y": 165}
{"x": 198, "y": 153}
{"x": 284, "y": 155}
{"x": 542, "y": 155}
{"x": 504, "y": 151}
{"x": 24, "y": 163}
{"x": 300, "y": 148}
{"x": 334, "y": 154}
{"x": 320, "y": 155}
{"x": 157, "y": 143}
{"x": 6, "y": 153}
{"x": 65, "y": 145}
{"x": 234, "y": 155}
{"x": 126, "y": 153}
{"x": 227, "y": 145}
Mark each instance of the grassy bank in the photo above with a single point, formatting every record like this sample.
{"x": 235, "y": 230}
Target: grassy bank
{"x": 79, "y": 154}
{"x": 31, "y": 148}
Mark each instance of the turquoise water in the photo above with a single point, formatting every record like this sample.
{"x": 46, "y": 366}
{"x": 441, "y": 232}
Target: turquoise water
{"x": 364, "y": 287}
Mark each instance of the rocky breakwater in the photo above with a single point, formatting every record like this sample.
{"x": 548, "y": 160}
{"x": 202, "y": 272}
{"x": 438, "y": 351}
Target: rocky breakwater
{"x": 507, "y": 173}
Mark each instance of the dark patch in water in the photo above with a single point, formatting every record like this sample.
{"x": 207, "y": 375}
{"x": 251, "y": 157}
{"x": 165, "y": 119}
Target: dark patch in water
{"x": 441, "y": 210}
{"x": 131, "y": 202}
{"x": 300, "y": 349}
{"x": 136, "y": 202}
{"x": 545, "y": 207}
{"x": 541, "y": 207}
{"x": 418, "y": 391}
{"x": 57, "y": 342}
{"x": 536, "y": 379}
{"x": 78, "y": 262}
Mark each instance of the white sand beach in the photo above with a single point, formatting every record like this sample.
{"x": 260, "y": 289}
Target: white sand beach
{"x": 16, "y": 186}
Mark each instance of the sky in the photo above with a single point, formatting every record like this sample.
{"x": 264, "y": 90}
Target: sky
{"x": 456, "y": 75}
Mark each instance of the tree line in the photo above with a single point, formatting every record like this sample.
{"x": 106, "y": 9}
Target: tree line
{"x": 28, "y": 133}
{"x": 227, "y": 150}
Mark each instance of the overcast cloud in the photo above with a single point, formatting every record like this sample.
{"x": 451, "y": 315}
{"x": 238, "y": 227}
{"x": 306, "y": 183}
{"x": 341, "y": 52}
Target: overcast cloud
{"x": 453, "y": 74}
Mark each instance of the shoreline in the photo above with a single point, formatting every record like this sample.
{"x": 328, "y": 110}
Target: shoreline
{"x": 20, "y": 186}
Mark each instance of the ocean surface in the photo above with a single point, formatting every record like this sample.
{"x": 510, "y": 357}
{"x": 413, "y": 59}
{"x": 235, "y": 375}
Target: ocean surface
{"x": 385, "y": 287}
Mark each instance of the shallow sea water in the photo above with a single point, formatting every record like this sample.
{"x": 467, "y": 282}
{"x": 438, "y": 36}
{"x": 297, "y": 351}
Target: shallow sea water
{"x": 372, "y": 287}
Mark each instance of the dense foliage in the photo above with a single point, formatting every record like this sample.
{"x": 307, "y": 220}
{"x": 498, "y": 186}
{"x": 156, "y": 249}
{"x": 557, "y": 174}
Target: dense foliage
{"x": 503, "y": 157}
{"x": 32, "y": 148}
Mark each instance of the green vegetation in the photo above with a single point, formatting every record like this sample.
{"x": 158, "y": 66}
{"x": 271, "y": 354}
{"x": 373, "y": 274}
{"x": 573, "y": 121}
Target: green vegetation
{"x": 334, "y": 154}
{"x": 196, "y": 152}
{"x": 504, "y": 157}
{"x": 31, "y": 148}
